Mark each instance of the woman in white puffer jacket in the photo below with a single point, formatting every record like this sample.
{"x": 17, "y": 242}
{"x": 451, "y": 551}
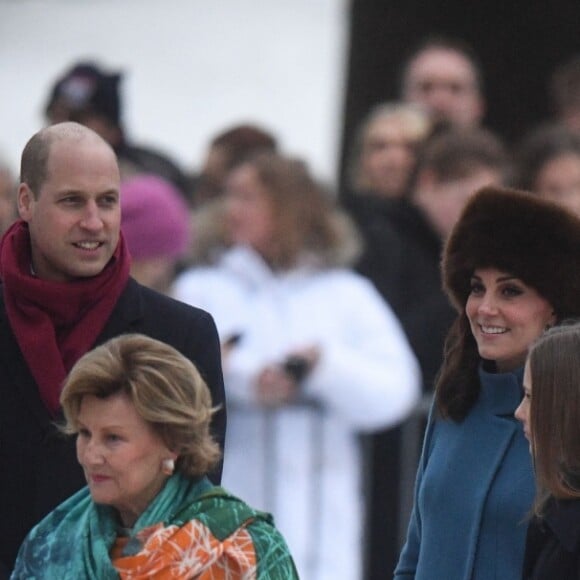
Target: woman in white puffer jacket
{"x": 312, "y": 357}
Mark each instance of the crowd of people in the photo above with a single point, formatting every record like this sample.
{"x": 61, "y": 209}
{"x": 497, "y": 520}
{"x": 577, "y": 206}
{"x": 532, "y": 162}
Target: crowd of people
{"x": 168, "y": 331}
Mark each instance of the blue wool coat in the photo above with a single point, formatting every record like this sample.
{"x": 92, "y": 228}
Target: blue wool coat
{"x": 474, "y": 489}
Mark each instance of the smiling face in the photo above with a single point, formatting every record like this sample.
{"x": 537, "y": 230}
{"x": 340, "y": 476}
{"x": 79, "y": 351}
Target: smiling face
{"x": 120, "y": 454}
{"x": 505, "y": 316}
{"x": 522, "y": 413}
{"x": 74, "y": 220}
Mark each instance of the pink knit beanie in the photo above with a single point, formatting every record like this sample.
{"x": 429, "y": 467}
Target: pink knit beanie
{"x": 154, "y": 218}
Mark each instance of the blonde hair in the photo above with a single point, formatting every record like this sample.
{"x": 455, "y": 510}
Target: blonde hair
{"x": 413, "y": 118}
{"x": 166, "y": 388}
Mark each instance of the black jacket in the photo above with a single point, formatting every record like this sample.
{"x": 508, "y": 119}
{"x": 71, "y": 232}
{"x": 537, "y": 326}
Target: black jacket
{"x": 38, "y": 466}
{"x": 553, "y": 543}
{"x": 402, "y": 258}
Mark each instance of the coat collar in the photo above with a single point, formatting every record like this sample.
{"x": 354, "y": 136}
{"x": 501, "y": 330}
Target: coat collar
{"x": 501, "y": 393}
{"x": 126, "y": 314}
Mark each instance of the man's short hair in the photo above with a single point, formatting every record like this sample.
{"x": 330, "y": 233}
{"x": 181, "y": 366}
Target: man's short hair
{"x": 457, "y": 153}
{"x": 34, "y": 161}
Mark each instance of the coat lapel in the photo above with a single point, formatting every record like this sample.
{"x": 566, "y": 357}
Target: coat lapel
{"x": 126, "y": 314}
{"x": 16, "y": 371}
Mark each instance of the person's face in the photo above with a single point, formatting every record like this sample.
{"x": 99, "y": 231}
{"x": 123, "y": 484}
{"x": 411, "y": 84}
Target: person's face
{"x": 7, "y": 201}
{"x": 505, "y": 316}
{"x": 444, "y": 82}
{"x": 74, "y": 220}
{"x": 522, "y": 413}
{"x": 387, "y": 158}
{"x": 120, "y": 454}
{"x": 249, "y": 210}
{"x": 443, "y": 201}
{"x": 559, "y": 181}
{"x": 213, "y": 174}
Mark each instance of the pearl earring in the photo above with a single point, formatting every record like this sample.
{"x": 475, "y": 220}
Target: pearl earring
{"x": 168, "y": 466}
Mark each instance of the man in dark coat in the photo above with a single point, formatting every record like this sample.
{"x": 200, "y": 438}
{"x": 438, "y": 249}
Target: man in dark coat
{"x": 65, "y": 288}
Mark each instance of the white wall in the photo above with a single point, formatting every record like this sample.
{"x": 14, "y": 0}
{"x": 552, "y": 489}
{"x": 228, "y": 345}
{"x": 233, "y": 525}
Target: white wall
{"x": 192, "y": 68}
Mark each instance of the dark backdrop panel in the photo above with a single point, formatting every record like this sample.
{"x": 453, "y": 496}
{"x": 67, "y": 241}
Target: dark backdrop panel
{"x": 519, "y": 44}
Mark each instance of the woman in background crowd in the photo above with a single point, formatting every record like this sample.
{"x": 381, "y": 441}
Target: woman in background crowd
{"x": 312, "y": 357}
{"x": 156, "y": 223}
{"x": 385, "y": 151}
{"x": 549, "y": 165}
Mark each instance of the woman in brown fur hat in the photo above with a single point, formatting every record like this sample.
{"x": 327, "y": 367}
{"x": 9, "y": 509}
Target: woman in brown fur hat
{"x": 511, "y": 267}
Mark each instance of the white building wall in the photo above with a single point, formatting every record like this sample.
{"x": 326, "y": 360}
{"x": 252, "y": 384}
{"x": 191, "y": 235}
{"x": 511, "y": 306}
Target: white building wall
{"x": 193, "y": 67}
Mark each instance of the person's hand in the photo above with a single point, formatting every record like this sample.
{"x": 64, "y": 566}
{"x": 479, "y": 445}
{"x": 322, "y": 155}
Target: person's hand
{"x": 280, "y": 384}
{"x": 275, "y": 387}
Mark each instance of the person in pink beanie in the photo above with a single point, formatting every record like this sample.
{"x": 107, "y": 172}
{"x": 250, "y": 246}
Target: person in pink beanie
{"x": 156, "y": 224}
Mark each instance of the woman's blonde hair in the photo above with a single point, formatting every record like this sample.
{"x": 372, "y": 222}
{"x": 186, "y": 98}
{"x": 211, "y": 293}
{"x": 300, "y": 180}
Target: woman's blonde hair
{"x": 166, "y": 388}
{"x": 554, "y": 367}
{"x": 414, "y": 119}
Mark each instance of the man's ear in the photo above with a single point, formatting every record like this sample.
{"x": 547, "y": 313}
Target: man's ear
{"x": 24, "y": 200}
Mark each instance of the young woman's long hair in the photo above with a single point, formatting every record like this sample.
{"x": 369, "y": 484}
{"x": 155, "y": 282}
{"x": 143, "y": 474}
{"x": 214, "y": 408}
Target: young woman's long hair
{"x": 554, "y": 365}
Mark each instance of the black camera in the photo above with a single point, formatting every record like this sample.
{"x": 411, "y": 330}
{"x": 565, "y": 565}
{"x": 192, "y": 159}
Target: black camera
{"x": 297, "y": 367}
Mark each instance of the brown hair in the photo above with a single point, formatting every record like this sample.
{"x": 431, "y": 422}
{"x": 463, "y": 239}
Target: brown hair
{"x": 306, "y": 218}
{"x": 34, "y": 161}
{"x": 457, "y": 153}
{"x": 36, "y": 152}
{"x": 555, "y": 413}
{"x": 542, "y": 145}
{"x": 166, "y": 388}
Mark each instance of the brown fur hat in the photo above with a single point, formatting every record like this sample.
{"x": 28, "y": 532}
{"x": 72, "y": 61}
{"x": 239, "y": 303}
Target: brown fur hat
{"x": 523, "y": 235}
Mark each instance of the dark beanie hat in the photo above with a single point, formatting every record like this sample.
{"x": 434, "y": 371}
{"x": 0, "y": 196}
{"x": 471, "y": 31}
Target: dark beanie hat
{"x": 86, "y": 88}
{"x": 520, "y": 234}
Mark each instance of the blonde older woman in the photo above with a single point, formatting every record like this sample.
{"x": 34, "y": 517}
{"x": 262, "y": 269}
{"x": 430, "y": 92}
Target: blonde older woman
{"x": 141, "y": 414}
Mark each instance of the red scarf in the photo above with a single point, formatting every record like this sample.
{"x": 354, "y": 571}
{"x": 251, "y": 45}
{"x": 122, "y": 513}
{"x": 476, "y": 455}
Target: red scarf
{"x": 55, "y": 323}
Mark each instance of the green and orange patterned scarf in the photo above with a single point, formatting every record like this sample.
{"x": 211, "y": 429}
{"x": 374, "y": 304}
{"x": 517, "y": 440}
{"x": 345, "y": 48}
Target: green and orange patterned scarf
{"x": 190, "y": 530}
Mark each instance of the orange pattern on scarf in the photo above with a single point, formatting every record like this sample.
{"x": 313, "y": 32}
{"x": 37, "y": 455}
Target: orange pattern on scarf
{"x": 189, "y": 551}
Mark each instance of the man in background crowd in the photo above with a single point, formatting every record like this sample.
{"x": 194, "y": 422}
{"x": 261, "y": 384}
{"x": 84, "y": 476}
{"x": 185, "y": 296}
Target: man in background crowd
{"x": 444, "y": 76}
{"x": 88, "y": 95}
